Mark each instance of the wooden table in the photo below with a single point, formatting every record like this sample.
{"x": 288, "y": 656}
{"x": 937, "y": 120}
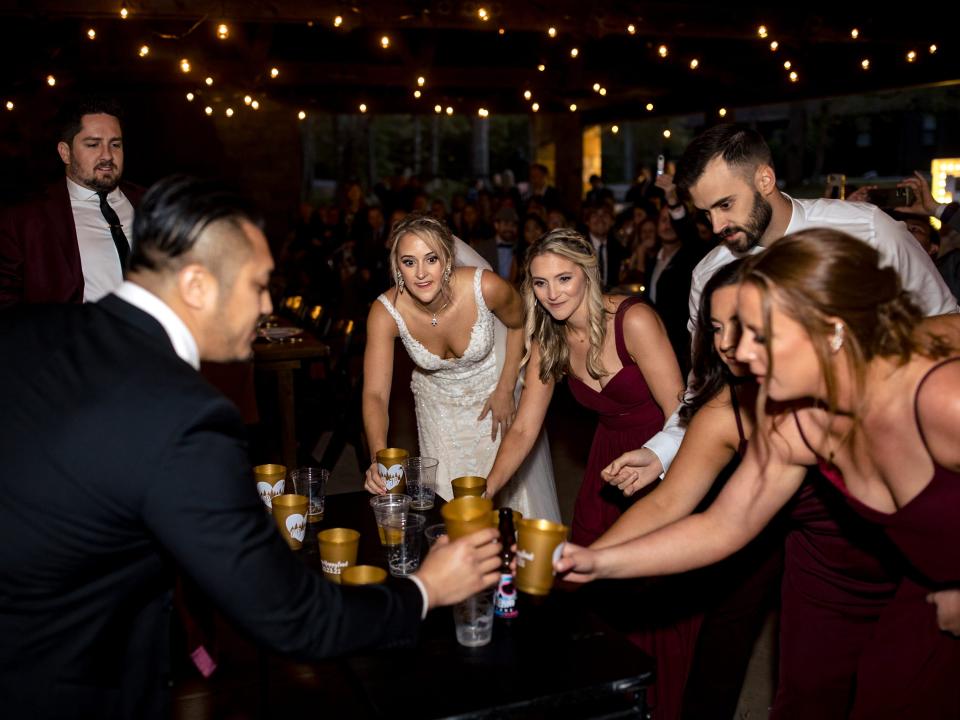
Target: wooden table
{"x": 282, "y": 358}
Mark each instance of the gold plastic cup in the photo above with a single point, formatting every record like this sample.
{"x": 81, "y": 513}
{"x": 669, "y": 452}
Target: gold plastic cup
{"x": 338, "y": 551}
{"x": 363, "y": 575}
{"x": 469, "y": 486}
{"x": 391, "y": 463}
{"x": 270, "y": 481}
{"x": 290, "y": 514}
{"x": 466, "y": 515}
{"x": 539, "y": 544}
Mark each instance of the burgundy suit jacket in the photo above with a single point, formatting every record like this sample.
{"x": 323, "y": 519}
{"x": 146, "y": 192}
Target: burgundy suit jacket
{"x": 39, "y": 254}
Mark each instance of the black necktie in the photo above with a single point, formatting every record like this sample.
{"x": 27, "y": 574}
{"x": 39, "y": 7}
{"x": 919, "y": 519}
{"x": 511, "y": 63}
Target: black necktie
{"x": 116, "y": 229}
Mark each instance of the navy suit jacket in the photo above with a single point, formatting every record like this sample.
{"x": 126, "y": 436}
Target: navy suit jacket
{"x": 39, "y": 254}
{"x": 121, "y": 463}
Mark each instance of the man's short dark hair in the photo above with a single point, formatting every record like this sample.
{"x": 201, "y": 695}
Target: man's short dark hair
{"x": 70, "y": 117}
{"x": 173, "y": 215}
{"x": 739, "y": 146}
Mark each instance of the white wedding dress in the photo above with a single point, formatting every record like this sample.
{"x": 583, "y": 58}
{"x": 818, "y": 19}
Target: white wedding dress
{"x": 449, "y": 395}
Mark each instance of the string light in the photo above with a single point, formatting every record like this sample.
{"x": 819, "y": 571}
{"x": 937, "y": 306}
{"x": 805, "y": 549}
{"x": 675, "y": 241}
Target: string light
{"x": 274, "y": 72}
{"x": 9, "y": 105}
{"x": 247, "y": 100}
{"x": 190, "y": 97}
{"x": 208, "y": 110}
{"x": 338, "y": 21}
{"x": 483, "y": 14}
{"x": 574, "y": 52}
{"x": 632, "y": 29}
{"x": 573, "y": 107}
{"x": 301, "y": 115}
{"x": 933, "y": 49}
{"x": 417, "y": 94}
{"x": 124, "y": 13}
{"x": 774, "y": 45}
{"x": 255, "y": 105}
{"x": 51, "y": 80}
{"x": 762, "y": 31}
{"x": 535, "y": 107}
{"x": 649, "y": 107}
{"x": 541, "y": 67}
{"x": 854, "y": 33}
{"x": 385, "y": 42}
{"x": 501, "y": 31}
{"x": 596, "y": 87}
{"x": 363, "y": 107}
{"x": 184, "y": 65}
{"x": 911, "y": 56}
{"x": 666, "y": 134}
{"x": 552, "y": 32}
{"x": 794, "y": 77}
{"x": 722, "y": 112}
{"x": 483, "y": 112}
{"x": 144, "y": 50}
{"x": 527, "y": 94}
{"x": 662, "y": 51}
{"x": 223, "y": 32}
{"x": 92, "y": 34}
{"x": 421, "y": 81}
{"x": 787, "y": 65}
{"x": 228, "y": 112}
{"x": 865, "y": 63}
{"x": 694, "y": 64}
{"x": 208, "y": 81}
{"x": 449, "y": 110}
{"x": 437, "y": 109}
{"x": 614, "y": 129}
{"x": 603, "y": 91}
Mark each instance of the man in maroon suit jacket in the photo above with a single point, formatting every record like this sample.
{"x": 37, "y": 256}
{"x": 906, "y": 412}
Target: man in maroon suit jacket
{"x": 39, "y": 249}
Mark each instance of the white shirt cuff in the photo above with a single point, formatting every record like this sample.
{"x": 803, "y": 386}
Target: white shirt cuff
{"x": 666, "y": 443}
{"x": 677, "y": 213}
{"x": 423, "y": 591}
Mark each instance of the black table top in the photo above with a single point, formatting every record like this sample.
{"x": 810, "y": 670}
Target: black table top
{"x": 558, "y": 658}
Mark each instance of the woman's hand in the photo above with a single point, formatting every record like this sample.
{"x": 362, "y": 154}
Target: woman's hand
{"x": 577, "y": 564}
{"x": 503, "y": 409}
{"x": 373, "y": 483}
{"x": 948, "y": 610}
{"x": 633, "y": 471}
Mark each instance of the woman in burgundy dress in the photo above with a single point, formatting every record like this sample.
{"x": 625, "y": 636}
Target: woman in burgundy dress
{"x": 857, "y": 382}
{"x": 616, "y": 356}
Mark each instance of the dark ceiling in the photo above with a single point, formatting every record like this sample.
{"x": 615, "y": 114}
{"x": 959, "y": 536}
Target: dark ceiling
{"x": 466, "y": 62}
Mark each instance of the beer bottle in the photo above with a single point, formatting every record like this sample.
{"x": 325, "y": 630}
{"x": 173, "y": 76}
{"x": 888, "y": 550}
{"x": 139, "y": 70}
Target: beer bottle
{"x": 505, "y": 603}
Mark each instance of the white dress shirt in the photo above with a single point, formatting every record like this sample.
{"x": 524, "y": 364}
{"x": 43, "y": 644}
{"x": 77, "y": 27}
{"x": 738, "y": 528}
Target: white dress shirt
{"x": 98, "y": 255}
{"x": 180, "y": 336}
{"x": 897, "y": 247}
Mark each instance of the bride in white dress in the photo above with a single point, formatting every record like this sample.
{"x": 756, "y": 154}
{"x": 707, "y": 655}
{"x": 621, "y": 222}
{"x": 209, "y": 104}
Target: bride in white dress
{"x": 447, "y": 313}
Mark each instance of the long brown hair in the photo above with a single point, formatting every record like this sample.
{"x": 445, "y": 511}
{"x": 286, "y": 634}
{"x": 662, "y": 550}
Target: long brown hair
{"x": 550, "y": 334}
{"x": 820, "y": 274}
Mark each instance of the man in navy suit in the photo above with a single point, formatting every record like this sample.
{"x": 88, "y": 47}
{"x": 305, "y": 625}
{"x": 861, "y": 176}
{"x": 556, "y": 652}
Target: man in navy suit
{"x": 120, "y": 464}
{"x": 71, "y": 242}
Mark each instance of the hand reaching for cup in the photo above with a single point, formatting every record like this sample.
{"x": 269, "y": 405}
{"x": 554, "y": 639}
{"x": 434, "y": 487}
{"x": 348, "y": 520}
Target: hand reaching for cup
{"x": 373, "y": 483}
{"x": 577, "y": 564}
{"x": 633, "y": 471}
{"x": 453, "y": 571}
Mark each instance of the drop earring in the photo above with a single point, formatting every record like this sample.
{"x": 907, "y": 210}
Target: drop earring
{"x": 836, "y": 342}
{"x": 446, "y": 275}
{"x": 399, "y": 283}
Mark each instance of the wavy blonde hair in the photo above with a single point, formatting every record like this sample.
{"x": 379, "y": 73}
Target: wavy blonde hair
{"x": 540, "y": 325}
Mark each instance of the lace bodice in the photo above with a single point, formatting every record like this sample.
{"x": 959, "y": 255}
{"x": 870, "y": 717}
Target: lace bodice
{"x": 473, "y": 373}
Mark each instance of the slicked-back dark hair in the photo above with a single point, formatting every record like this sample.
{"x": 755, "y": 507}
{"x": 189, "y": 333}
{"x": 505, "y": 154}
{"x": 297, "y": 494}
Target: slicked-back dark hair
{"x": 70, "y": 117}
{"x": 175, "y": 212}
{"x": 739, "y": 146}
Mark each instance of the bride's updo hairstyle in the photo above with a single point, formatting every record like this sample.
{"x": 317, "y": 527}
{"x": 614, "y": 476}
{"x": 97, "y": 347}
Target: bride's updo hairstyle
{"x": 819, "y": 276}
{"x": 434, "y": 233}
{"x": 540, "y": 326}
